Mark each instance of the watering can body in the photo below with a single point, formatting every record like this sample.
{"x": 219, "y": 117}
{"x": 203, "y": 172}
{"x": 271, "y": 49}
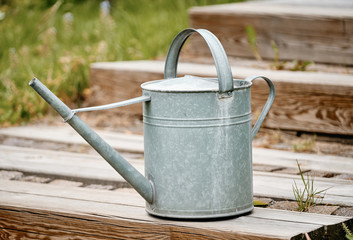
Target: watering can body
{"x": 197, "y": 136}
{"x": 198, "y": 153}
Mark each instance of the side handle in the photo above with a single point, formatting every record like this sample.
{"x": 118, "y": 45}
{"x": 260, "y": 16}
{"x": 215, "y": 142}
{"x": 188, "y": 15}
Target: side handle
{"x": 267, "y": 106}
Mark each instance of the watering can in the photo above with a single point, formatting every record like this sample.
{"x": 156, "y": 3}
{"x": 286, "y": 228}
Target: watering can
{"x": 197, "y": 138}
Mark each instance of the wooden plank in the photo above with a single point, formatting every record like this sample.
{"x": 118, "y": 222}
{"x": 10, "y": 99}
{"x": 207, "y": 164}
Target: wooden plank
{"x": 280, "y": 186}
{"x": 300, "y": 31}
{"x": 305, "y": 101}
{"x": 72, "y": 166}
{"x": 65, "y": 134}
{"x": 324, "y": 163}
{"x": 134, "y": 143}
{"x": 80, "y": 210}
{"x": 88, "y": 168}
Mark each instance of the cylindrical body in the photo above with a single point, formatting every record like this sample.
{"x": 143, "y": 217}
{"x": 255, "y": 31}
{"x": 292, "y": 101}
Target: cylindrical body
{"x": 198, "y": 152}
{"x": 198, "y": 137}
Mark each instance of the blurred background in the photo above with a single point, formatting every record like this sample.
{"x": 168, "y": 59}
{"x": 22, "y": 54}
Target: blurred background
{"x": 56, "y": 41}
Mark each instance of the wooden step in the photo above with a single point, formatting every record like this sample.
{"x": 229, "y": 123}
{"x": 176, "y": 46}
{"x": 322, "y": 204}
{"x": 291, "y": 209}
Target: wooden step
{"x": 134, "y": 143}
{"x": 93, "y": 169}
{"x": 305, "y": 101}
{"x": 302, "y": 30}
{"x": 35, "y": 210}
{"x": 65, "y": 134}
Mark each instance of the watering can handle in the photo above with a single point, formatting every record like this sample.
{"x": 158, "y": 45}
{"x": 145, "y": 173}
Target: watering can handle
{"x": 225, "y": 78}
{"x": 267, "y": 106}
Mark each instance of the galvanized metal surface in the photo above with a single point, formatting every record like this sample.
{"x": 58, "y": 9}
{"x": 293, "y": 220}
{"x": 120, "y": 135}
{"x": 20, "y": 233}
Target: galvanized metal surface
{"x": 224, "y": 72}
{"x": 198, "y": 150}
{"x": 266, "y": 108}
{"x": 143, "y": 186}
{"x": 198, "y": 156}
{"x": 113, "y": 105}
{"x": 198, "y": 139}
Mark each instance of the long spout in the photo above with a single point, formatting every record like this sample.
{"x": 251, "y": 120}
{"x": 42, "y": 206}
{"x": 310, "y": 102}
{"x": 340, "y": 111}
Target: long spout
{"x": 141, "y": 184}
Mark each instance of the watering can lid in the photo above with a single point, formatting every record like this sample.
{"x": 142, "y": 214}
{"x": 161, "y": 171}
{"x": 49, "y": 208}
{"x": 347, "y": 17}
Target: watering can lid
{"x": 184, "y": 84}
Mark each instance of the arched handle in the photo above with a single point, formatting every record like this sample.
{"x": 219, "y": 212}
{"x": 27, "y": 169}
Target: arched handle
{"x": 224, "y": 72}
{"x": 267, "y": 106}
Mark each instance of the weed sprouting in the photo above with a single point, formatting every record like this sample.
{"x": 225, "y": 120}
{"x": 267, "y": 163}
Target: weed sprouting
{"x": 306, "y": 145}
{"x": 277, "y": 64}
{"x": 251, "y": 36}
{"x": 349, "y": 234}
{"x": 309, "y": 196}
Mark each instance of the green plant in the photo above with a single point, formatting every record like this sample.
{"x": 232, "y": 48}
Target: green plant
{"x": 299, "y": 65}
{"x": 308, "y": 196}
{"x": 258, "y": 203}
{"x": 56, "y": 41}
{"x": 306, "y": 145}
{"x": 349, "y": 234}
{"x": 251, "y": 36}
{"x": 296, "y": 65}
{"x": 277, "y": 64}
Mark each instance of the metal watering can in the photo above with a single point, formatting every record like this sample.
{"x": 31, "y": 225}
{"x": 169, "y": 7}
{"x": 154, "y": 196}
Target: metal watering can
{"x": 197, "y": 136}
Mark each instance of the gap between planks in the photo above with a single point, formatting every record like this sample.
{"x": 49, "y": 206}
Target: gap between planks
{"x": 134, "y": 143}
{"x": 128, "y": 207}
{"x": 89, "y": 168}
{"x": 305, "y": 101}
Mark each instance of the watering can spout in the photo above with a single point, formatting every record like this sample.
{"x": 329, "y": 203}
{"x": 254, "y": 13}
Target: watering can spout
{"x": 142, "y": 185}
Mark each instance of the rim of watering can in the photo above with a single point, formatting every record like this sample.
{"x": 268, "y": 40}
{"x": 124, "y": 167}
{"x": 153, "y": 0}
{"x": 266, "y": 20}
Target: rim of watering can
{"x": 182, "y": 87}
{"x": 224, "y": 72}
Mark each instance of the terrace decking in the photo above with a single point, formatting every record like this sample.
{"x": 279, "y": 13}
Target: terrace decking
{"x": 46, "y": 209}
{"x": 53, "y": 187}
{"x": 305, "y": 101}
{"x": 319, "y": 31}
{"x": 302, "y": 30}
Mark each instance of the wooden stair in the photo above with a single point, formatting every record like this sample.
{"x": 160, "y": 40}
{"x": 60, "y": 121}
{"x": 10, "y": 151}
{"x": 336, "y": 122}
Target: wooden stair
{"x": 94, "y": 170}
{"x": 302, "y": 30}
{"x": 305, "y": 101}
{"x": 33, "y": 210}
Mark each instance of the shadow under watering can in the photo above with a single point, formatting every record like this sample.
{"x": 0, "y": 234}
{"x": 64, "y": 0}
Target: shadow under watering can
{"x": 197, "y": 136}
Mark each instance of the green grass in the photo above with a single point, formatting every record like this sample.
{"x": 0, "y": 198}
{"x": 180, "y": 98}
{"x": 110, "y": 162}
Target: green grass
{"x": 309, "y": 196}
{"x": 36, "y": 41}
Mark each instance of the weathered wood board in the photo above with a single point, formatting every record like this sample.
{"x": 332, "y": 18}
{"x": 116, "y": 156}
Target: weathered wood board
{"x": 134, "y": 143}
{"x": 87, "y": 168}
{"x": 301, "y": 31}
{"x": 65, "y": 134}
{"x": 305, "y": 101}
{"x": 32, "y": 209}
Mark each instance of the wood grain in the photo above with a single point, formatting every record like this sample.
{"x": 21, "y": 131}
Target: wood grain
{"x": 78, "y": 211}
{"x": 305, "y": 101}
{"x": 90, "y": 169}
{"x": 303, "y": 32}
{"x": 134, "y": 143}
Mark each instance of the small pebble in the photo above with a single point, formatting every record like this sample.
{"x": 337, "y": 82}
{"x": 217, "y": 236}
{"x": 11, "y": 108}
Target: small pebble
{"x": 10, "y": 175}
{"x": 66, "y": 183}
{"x": 35, "y": 179}
{"x": 99, "y": 186}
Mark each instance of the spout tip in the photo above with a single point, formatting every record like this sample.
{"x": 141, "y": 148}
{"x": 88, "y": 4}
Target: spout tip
{"x": 32, "y": 82}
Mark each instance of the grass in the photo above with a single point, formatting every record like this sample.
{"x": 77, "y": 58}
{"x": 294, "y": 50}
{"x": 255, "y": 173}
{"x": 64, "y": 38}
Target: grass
{"x": 349, "y": 234}
{"x": 309, "y": 196}
{"x": 57, "y": 40}
{"x": 251, "y": 37}
{"x": 306, "y": 145}
{"x": 295, "y": 65}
